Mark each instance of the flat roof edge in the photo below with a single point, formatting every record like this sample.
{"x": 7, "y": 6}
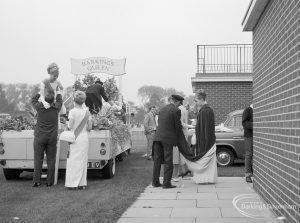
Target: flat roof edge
{"x": 253, "y": 13}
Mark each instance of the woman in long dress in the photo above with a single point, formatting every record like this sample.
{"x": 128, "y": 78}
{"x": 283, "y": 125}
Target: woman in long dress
{"x": 76, "y": 171}
{"x": 178, "y": 160}
{"x": 202, "y": 160}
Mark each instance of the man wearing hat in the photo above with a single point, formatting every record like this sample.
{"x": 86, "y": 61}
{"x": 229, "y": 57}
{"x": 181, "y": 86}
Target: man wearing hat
{"x": 169, "y": 126}
{"x": 94, "y": 95}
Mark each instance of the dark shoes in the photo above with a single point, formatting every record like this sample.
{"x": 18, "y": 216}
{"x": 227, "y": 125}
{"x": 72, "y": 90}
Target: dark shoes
{"x": 81, "y": 187}
{"x": 72, "y": 188}
{"x": 77, "y": 188}
{"x": 168, "y": 186}
{"x": 36, "y": 185}
{"x": 40, "y": 184}
{"x": 248, "y": 180}
{"x": 156, "y": 185}
{"x": 184, "y": 174}
{"x": 163, "y": 186}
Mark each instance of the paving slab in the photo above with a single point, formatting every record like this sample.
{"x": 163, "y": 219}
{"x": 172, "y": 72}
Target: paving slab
{"x": 233, "y": 182}
{"x": 214, "y": 203}
{"x": 197, "y": 196}
{"x": 196, "y": 212}
{"x": 228, "y": 212}
{"x": 148, "y": 212}
{"x": 172, "y": 190}
{"x": 158, "y": 196}
{"x": 235, "y": 220}
{"x": 232, "y": 185}
{"x": 226, "y": 190}
{"x": 230, "y": 179}
{"x": 205, "y": 185}
{"x": 230, "y": 196}
{"x": 164, "y": 203}
{"x": 195, "y": 203}
{"x": 156, "y": 220}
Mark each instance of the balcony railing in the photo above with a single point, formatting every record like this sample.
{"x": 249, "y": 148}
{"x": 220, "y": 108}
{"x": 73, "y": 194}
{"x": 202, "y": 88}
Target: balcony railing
{"x": 231, "y": 58}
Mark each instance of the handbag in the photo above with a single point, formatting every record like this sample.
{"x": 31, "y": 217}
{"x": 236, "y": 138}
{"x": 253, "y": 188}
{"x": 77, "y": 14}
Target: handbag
{"x": 70, "y": 136}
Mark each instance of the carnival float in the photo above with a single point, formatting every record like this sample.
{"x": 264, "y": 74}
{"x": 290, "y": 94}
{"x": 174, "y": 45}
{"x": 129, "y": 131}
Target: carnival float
{"x": 109, "y": 138}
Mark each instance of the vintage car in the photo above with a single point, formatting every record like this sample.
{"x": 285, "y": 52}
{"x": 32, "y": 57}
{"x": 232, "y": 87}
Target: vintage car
{"x": 229, "y": 139}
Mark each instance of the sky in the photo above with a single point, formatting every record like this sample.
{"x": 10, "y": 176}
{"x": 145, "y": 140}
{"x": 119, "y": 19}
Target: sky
{"x": 158, "y": 38}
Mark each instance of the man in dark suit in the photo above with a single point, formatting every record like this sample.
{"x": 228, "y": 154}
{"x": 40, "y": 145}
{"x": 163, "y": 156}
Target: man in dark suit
{"x": 45, "y": 136}
{"x": 169, "y": 126}
{"x": 247, "y": 121}
{"x": 94, "y": 95}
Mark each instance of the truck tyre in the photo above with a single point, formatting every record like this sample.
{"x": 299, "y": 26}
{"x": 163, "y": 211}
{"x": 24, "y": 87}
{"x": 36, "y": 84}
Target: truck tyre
{"x": 11, "y": 174}
{"x": 109, "y": 169}
{"x": 225, "y": 157}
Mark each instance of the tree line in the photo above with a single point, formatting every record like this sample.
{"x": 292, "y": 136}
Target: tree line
{"x": 15, "y": 99}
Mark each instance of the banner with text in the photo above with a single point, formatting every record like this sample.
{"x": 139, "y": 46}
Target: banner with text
{"x": 98, "y": 65}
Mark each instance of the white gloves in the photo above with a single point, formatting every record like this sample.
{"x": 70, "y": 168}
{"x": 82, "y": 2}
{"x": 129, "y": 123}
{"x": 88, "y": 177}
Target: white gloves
{"x": 46, "y": 104}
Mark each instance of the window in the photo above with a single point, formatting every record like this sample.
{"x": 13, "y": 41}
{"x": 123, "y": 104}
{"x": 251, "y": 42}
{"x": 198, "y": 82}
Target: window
{"x": 230, "y": 123}
{"x": 238, "y": 121}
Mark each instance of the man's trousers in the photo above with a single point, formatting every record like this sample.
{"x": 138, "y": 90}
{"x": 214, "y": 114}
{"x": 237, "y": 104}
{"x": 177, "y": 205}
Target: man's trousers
{"x": 42, "y": 144}
{"x": 162, "y": 154}
{"x": 150, "y": 138}
{"x": 248, "y": 156}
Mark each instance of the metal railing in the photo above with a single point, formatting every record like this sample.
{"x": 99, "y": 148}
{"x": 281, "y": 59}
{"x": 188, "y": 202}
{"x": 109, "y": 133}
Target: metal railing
{"x": 227, "y": 58}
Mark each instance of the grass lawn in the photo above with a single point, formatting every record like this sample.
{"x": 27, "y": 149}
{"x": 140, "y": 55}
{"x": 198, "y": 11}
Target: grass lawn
{"x": 103, "y": 201}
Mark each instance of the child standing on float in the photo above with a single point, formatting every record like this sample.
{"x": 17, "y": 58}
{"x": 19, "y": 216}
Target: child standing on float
{"x": 50, "y": 85}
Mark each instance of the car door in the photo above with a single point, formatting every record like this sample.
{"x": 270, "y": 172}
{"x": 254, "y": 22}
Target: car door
{"x": 238, "y": 136}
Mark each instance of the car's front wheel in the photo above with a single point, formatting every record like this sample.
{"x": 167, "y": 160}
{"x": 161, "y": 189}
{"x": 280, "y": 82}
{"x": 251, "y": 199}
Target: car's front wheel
{"x": 225, "y": 157}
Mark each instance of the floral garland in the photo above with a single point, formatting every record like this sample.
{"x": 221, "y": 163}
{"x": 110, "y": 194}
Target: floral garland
{"x": 120, "y": 133}
{"x": 16, "y": 124}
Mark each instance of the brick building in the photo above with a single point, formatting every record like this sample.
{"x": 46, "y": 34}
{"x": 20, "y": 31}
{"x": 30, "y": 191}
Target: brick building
{"x": 276, "y": 94}
{"x": 225, "y": 73}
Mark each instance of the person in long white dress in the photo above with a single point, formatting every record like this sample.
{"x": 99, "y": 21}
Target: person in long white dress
{"x": 202, "y": 162}
{"x": 178, "y": 159}
{"x": 76, "y": 171}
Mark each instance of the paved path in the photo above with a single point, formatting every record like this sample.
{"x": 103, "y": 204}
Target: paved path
{"x": 191, "y": 203}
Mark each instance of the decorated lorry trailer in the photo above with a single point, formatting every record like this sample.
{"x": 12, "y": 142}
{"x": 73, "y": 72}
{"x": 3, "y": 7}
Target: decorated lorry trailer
{"x": 17, "y": 154}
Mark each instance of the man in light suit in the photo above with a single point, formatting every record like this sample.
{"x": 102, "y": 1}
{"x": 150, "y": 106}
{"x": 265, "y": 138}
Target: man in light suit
{"x": 167, "y": 132}
{"x": 149, "y": 129}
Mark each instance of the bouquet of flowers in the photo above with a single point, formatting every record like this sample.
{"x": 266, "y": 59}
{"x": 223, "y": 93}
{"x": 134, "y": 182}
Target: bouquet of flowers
{"x": 101, "y": 122}
{"x": 119, "y": 131}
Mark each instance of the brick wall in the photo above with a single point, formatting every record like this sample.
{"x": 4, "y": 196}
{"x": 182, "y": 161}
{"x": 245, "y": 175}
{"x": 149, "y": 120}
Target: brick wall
{"x": 225, "y": 97}
{"x": 276, "y": 88}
